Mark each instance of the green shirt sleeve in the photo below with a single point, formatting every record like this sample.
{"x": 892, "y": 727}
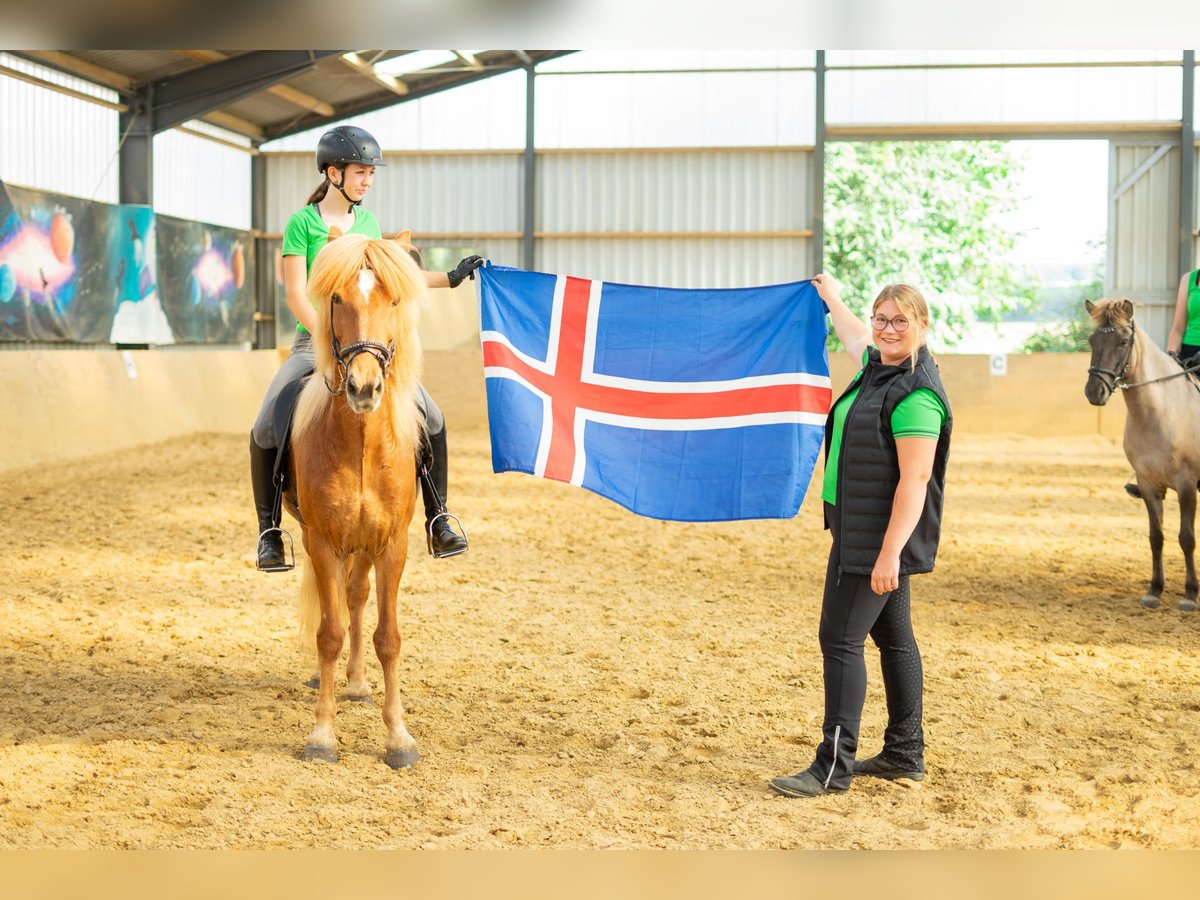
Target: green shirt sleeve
{"x": 295, "y": 236}
{"x": 920, "y": 414}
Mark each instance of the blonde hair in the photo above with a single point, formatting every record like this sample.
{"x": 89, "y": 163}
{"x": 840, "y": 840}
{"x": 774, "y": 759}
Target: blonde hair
{"x": 914, "y": 307}
{"x": 335, "y": 270}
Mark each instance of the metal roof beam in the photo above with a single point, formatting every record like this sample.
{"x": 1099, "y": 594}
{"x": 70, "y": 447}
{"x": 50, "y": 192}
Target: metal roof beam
{"x": 73, "y": 65}
{"x": 282, "y": 91}
{"x": 192, "y": 95}
{"x": 429, "y": 86}
{"x": 469, "y": 58}
{"x": 59, "y": 89}
{"x": 218, "y": 118}
{"x": 232, "y": 123}
{"x": 362, "y": 67}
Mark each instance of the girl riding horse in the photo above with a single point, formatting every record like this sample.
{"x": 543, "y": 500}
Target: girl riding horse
{"x": 347, "y": 157}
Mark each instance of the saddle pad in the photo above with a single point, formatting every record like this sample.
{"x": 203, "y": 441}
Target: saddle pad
{"x": 281, "y": 417}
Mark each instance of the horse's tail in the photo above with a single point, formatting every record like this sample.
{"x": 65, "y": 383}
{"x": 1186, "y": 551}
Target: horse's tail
{"x": 310, "y": 602}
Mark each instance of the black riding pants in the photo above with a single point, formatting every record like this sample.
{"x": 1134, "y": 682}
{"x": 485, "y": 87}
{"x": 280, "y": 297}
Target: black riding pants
{"x": 850, "y": 611}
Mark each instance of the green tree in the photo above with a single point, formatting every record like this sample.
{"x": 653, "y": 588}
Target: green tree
{"x": 1072, "y": 335}
{"x": 929, "y": 213}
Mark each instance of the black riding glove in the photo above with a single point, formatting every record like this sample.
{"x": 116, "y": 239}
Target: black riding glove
{"x": 465, "y": 269}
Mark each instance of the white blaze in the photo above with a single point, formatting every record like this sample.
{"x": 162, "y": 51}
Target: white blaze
{"x": 366, "y": 282}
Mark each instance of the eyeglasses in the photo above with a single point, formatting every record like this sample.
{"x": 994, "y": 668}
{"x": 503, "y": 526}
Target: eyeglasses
{"x": 899, "y": 324}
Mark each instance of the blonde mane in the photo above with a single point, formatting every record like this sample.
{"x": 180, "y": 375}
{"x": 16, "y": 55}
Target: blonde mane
{"x": 397, "y": 278}
{"x": 1112, "y": 313}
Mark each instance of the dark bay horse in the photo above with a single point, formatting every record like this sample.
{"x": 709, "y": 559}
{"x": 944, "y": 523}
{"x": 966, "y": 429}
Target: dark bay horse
{"x": 353, "y": 450}
{"x": 1162, "y": 428}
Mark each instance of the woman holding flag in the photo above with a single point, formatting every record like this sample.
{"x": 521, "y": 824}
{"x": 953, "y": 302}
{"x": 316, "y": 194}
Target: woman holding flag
{"x": 886, "y": 443}
{"x": 347, "y": 158}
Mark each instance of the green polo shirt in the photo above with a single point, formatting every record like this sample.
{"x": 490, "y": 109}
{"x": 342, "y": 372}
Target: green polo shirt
{"x": 307, "y": 233}
{"x": 1191, "y": 336}
{"x": 920, "y": 414}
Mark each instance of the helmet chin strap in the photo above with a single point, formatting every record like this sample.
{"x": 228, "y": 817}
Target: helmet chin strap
{"x": 353, "y": 203}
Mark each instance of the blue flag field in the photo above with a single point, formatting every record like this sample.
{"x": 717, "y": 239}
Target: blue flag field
{"x": 689, "y": 405}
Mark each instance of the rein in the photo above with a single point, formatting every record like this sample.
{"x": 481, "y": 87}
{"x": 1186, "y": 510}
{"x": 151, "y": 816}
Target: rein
{"x": 343, "y": 356}
{"x": 1118, "y": 378}
{"x": 1123, "y": 386}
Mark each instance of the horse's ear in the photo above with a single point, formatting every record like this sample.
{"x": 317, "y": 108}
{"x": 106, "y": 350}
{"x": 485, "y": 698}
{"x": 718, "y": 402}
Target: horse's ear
{"x": 404, "y": 239}
{"x": 1127, "y": 308}
{"x": 334, "y": 233}
{"x": 1090, "y": 307}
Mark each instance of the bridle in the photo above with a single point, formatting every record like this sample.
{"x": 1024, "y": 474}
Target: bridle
{"x": 1116, "y": 378}
{"x": 344, "y": 356}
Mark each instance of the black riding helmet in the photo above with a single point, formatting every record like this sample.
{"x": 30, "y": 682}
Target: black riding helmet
{"x": 345, "y": 145}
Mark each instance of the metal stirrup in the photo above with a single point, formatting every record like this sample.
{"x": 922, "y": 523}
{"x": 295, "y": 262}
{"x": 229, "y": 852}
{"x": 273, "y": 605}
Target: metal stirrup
{"x": 442, "y": 513}
{"x": 462, "y": 532}
{"x": 291, "y": 547}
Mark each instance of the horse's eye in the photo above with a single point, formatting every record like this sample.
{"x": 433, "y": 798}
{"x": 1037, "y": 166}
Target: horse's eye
{"x": 396, "y": 302}
{"x": 1124, "y": 341}
{"x": 337, "y": 298}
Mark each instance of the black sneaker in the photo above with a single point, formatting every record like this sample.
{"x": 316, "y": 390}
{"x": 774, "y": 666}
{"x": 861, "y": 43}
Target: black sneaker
{"x": 802, "y": 784}
{"x": 878, "y": 767}
{"x": 270, "y": 552}
{"x": 443, "y": 541}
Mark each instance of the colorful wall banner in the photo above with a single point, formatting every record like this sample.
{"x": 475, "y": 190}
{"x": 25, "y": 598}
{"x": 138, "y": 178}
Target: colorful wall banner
{"x": 207, "y": 277}
{"x": 79, "y": 271}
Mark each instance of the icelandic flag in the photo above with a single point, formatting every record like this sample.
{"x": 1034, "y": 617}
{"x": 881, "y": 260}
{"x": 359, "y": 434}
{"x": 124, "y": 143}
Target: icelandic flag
{"x": 691, "y": 405}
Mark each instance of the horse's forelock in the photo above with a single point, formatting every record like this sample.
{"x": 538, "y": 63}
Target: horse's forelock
{"x": 1110, "y": 314}
{"x": 396, "y": 274}
{"x": 337, "y": 269}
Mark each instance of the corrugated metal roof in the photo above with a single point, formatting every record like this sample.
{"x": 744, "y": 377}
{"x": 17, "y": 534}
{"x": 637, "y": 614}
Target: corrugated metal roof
{"x": 264, "y": 108}
{"x": 333, "y": 88}
{"x": 141, "y": 65}
{"x": 337, "y": 83}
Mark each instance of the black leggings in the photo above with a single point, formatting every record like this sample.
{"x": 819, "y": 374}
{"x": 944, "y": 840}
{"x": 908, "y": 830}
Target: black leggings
{"x": 850, "y": 611}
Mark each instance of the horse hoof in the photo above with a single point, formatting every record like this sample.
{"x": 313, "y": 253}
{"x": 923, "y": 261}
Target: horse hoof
{"x": 402, "y": 759}
{"x": 326, "y": 755}
{"x": 1187, "y": 605}
{"x": 1149, "y": 601}
{"x": 314, "y": 682}
{"x": 361, "y": 698}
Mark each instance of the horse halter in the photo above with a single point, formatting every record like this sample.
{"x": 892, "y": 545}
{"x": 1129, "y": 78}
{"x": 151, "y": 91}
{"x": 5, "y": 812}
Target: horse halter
{"x": 343, "y": 356}
{"x": 1116, "y": 379}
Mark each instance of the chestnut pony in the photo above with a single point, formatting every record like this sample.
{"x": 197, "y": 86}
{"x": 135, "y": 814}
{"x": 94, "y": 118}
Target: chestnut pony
{"x": 353, "y": 450}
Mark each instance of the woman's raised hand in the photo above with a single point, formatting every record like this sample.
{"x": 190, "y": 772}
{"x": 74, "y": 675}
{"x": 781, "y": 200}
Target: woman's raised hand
{"x": 465, "y": 269}
{"x": 827, "y": 287}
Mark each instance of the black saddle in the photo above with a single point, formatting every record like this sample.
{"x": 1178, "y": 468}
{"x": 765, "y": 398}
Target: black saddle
{"x": 281, "y": 418}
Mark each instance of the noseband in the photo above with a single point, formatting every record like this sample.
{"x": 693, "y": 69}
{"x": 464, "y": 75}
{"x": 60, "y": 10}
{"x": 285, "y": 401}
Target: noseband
{"x": 343, "y": 356}
{"x": 1115, "y": 378}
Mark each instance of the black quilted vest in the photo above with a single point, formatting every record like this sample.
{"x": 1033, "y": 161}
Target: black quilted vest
{"x": 869, "y": 469}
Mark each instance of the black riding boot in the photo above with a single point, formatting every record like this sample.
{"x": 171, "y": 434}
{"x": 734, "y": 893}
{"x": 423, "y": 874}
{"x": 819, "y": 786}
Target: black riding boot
{"x": 440, "y": 537}
{"x": 270, "y": 539}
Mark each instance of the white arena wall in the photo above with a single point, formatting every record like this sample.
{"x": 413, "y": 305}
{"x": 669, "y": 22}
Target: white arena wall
{"x": 60, "y": 405}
